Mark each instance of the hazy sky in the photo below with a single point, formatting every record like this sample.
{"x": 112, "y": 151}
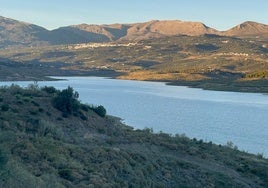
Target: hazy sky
{"x": 51, "y": 14}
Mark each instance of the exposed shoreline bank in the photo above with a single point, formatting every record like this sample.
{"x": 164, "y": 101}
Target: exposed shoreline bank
{"x": 248, "y": 86}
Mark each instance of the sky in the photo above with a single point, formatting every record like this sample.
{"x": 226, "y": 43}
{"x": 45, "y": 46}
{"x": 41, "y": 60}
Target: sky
{"x": 52, "y": 14}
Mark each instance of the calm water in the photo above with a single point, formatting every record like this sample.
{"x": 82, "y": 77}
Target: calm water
{"x": 209, "y": 115}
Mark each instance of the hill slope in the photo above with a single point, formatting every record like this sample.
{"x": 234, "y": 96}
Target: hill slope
{"x": 13, "y": 32}
{"x": 167, "y": 28}
{"x": 137, "y": 31}
{"x": 248, "y": 29}
{"x": 45, "y": 145}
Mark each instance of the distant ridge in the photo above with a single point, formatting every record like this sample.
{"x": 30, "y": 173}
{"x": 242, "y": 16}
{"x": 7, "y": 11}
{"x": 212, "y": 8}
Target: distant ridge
{"x": 248, "y": 29}
{"x": 137, "y": 31}
{"x": 13, "y": 32}
{"x": 169, "y": 28}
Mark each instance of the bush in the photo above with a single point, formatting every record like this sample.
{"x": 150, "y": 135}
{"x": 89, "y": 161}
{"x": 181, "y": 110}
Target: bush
{"x": 3, "y": 159}
{"x": 66, "y": 174}
{"x": 33, "y": 87}
{"x": 100, "y": 110}
{"x": 67, "y": 101}
{"x": 49, "y": 89}
{"x": 5, "y": 107}
{"x": 82, "y": 116}
{"x": 84, "y": 107}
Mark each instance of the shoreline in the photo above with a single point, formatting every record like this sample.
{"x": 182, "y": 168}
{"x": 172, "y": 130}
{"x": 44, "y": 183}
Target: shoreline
{"x": 228, "y": 85}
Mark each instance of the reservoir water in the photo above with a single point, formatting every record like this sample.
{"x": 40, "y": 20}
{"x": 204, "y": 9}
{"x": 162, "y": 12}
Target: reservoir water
{"x": 209, "y": 115}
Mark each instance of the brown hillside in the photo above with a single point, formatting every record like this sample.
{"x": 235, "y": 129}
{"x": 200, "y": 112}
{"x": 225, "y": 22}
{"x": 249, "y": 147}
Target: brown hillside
{"x": 248, "y": 29}
{"x": 168, "y": 28}
{"x": 98, "y": 29}
{"x": 151, "y": 29}
{"x": 176, "y": 27}
{"x": 112, "y": 32}
{"x": 20, "y": 33}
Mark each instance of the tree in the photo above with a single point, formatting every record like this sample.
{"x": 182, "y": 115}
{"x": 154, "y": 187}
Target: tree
{"x": 67, "y": 101}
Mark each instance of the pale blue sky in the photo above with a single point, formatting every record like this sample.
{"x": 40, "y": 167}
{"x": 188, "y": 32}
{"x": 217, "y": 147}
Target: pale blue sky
{"x": 51, "y": 14}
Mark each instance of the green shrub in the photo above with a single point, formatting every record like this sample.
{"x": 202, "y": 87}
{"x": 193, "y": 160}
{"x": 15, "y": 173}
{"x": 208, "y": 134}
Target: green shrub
{"x": 84, "y": 107}
{"x": 20, "y": 102}
{"x": 67, "y": 101}
{"x": 40, "y": 109}
{"x": 16, "y": 89}
{"x": 49, "y": 89}
{"x": 82, "y": 116}
{"x": 64, "y": 114}
{"x": 33, "y": 112}
{"x": 66, "y": 174}
{"x": 3, "y": 159}
{"x": 47, "y": 128}
{"x": 100, "y": 110}
{"x": 5, "y": 107}
{"x": 27, "y": 99}
{"x": 35, "y": 103}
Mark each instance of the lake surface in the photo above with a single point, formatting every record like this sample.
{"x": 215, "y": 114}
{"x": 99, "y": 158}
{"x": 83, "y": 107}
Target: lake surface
{"x": 209, "y": 115}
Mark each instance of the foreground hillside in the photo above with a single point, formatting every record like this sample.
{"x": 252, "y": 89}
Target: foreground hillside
{"x": 49, "y": 139}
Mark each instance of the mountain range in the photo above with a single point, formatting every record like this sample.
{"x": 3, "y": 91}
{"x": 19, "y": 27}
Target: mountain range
{"x": 13, "y": 32}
